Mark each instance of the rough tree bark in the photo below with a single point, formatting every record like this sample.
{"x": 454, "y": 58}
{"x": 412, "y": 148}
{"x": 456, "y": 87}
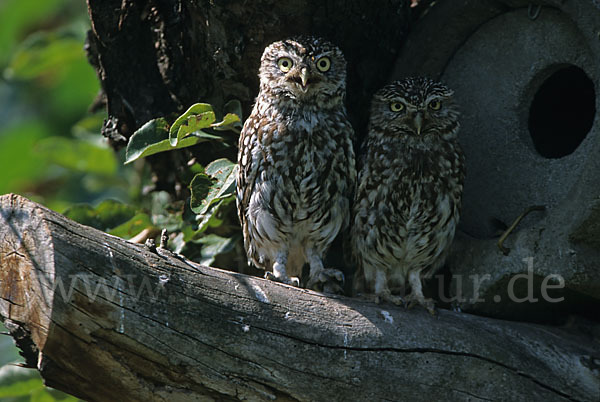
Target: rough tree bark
{"x": 105, "y": 319}
{"x": 157, "y": 57}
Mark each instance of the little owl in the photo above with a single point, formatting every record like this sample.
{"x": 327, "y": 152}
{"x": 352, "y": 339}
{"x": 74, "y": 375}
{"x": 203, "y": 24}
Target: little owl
{"x": 409, "y": 190}
{"x": 296, "y": 162}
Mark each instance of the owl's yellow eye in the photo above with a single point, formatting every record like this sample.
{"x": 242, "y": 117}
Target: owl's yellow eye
{"x": 435, "y": 105}
{"x": 324, "y": 64}
{"x": 396, "y": 106}
{"x": 285, "y": 64}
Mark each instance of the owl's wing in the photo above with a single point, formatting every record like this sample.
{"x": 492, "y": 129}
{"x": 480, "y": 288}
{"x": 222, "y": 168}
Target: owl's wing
{"x": 246, "y": 174}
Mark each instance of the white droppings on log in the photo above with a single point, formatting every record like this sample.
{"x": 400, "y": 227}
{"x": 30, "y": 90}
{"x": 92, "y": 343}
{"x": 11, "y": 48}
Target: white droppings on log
{"x": 387, "y": 316}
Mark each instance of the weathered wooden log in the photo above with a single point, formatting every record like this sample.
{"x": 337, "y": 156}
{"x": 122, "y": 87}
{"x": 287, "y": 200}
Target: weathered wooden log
{"x": 106, "y": 319}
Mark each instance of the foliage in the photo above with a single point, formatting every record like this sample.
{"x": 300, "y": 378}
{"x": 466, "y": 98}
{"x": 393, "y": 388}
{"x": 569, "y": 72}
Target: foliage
{"x": 50, "y": 147}
{"x": 51, "y": 151}
{"x": 212, "y": 188}
{"x": 18, "y": 384}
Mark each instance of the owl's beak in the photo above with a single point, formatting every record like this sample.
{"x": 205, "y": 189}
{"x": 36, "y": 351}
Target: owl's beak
{"x": 418, "y": 120}
{"x": 304, "y": 77}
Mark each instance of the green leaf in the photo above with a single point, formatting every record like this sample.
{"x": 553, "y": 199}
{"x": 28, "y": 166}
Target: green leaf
{"x": 19, "y": 164}
{"x": 19, "y": 16}
{"x": 18, "y": 381}
{"x": 107, "y": 215}
{"x": 77, "y": 155}
{"x": 165, "y": 213}
{"x": 44, "y": 53}
{"x": 213, "y": 245}
{"x": 132, "y": 227}
{"x": 218, "y": 182}
{"x": 195, "y": 109}
{"x": 197, "y": 117}
{"x": 153, "y": 137}
{"x": 230, "y": 122}
{"x": 234, "y": 106}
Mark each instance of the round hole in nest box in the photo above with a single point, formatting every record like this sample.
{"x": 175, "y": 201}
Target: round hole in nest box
{"x": 562, "y": 112}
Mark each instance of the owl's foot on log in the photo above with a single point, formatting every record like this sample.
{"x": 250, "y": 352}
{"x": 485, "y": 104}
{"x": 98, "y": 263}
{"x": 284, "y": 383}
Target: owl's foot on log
{"x": 327, "y": 280}
{"x": 390, "y": 298}
{"x": 294, "y": 281}
{"x": 417, "y": 298}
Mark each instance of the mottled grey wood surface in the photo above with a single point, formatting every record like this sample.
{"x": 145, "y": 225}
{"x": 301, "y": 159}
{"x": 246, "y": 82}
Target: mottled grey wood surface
{"x": 139, "y": 326}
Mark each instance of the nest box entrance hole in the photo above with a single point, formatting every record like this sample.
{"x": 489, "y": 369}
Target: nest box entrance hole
{"x": 562, "y": 112}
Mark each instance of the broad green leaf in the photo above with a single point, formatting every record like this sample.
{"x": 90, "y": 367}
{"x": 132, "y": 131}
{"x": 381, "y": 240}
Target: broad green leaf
{"x": 206, "y": 191}
{"x": 230, "y": 122}
{"x": 213, "y": 245}
{"x": 197, "y": 108}
{"x": 132, "y": 227}
{"x": 193, "y": 126}
{"x": 77, "y": 155}
{"x": 153, "y": 137}
{"x": 199, "y": 188}
{"x": 225, "y": 172}
{"x": 107, "y": 215}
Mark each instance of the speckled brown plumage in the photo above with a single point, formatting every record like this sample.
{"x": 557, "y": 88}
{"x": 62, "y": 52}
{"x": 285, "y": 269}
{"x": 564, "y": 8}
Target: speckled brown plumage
{"x": 296, "y": 162}
{"x": 409, "y": 190}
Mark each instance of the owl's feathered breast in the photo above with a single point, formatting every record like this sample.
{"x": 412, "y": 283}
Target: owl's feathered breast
{"x": 410, "y": 199}
{"x": 294, "y": 167}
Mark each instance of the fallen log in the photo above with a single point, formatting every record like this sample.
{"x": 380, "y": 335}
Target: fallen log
{"x": 105, "y": 319}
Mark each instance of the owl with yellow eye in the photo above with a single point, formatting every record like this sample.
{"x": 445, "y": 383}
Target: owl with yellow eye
{"x": 296, "y": 163}
{"x": 409, "y": 190}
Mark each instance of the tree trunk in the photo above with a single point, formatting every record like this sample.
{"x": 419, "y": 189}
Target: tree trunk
{"x": 157, "y": 57}
{"x": 105, "y": 319}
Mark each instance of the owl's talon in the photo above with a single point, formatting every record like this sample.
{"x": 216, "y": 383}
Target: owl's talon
{"x": 428, "y": 304}
{"x": 327, "y": 280}
{"x": 390, "y": 298}
{"x": 294, "y": 281}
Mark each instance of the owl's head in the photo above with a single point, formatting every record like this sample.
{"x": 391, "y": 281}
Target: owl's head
{"x": 415, "y": 107}
{"x": 304, "y": 70}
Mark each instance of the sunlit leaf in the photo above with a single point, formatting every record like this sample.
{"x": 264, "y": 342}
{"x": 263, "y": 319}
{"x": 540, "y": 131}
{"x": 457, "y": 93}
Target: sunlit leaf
{"x": 195, "y": 109}
{"x": 77, "y": 155}
{"x": 153, "y": 137}
{"x": 230, "y": 122}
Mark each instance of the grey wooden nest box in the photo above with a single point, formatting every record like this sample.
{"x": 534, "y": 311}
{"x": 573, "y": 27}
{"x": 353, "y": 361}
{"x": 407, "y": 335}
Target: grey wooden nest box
{"x": 526, "y": 75}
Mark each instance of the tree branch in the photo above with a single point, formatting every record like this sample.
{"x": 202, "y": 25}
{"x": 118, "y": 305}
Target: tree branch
{"x": 103, "y": 318}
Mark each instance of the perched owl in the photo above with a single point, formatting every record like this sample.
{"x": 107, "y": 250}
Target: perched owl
{"x": 409, "y": 190}
{"x": 297, "y": 171}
